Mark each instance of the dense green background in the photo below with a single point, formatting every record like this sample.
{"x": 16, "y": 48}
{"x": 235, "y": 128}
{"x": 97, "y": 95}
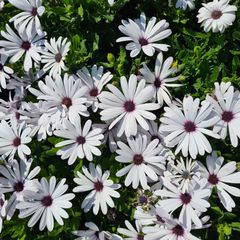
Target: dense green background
{"x": 92, "y": 28}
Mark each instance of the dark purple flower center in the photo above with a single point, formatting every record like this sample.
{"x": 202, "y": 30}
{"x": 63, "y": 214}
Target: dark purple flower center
{"x": 227, "y": 116}
{"x": 216, "y": 14}
{"x": 143, "y": 200}
{"x": 138, "y": 159}
{"x": 189, "y": 126}
{"x": 1, "y": 202}
{"x": 34, "y": 11}
{"x": 47, "y": 201}
{"x": 129, "y": 106}
{"x": 178, "y": 230}
{"x": 213, "y": 179}
{"x": 98, "y": 186}
{"x": 81, "y": 140}
{"x": 18, "y": 186}
{"x": 26, "y": 45}
{"x": 17, "y": 115}
{"x": 93, "y": 92}
{"x": 140, "y": 237}
{"x": 16, "y": 142}
{"x": 58, "y": 57}
{"x": 157, "y": 83}
{"x": 67, "y": 102}
{"x": 143, "y": 41}
{"x": 1, "y": 67}
{"x": 185, "y": 198}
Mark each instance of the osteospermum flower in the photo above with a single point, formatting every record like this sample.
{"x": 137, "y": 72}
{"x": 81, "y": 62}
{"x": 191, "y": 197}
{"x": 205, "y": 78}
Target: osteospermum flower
{"x": 219, "y": 175}
{"x": 130, "y": 232}
{"x": 144, "y": 37}
{"x": 95, "y": 82}
{"x": 48, "y": 203}
{"x": 161, "y": 78}
{"x": 3, "y": 209}
{"x": 16, "y": 178}
{"x": 1, "y": 4}
{"x": 64, "y": 98}
{"x": 227, "y": 107}
{"x": 5, "y": 71}
{"x": 187, "y": 126}
{"x": 16, "y": 46}
{"x": 102, "y": 189}
{"x": 192, "y": 202}
{"x": 82, "y": 141}
{"x": 144, "y": 158}
{"x": 53, "y": 58}
{"x": 184, "y": 4}
{"x": 13, "y": 139}
{"x": 216, "y": 15}
{"x": 28, "y": 19}
{"x": 129, "y": 108}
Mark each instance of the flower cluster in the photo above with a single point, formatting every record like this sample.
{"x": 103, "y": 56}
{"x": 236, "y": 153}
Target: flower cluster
{"x": 158, "y": 140}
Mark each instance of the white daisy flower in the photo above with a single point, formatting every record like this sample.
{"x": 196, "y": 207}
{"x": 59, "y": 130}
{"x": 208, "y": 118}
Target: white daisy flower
{"x": 216, "y": 15}
{"x": 48, "y": 204}
{"x": 1, "y": 4}
{"x": 227, "y": 107}
{"x": 28, "y": 20}
{"x": 53, "y": 58}
{"x": 184, "y": 4}
{"x": 17, "y": 46}
{"x": 95, "y": 81}
{"x": 82, "y": 141}
{"x": 13, "y": 139}
{"x": 16, "y": 178}
{"x": 218, "y": 176}
{"x": 145, "y": 160}
{"x": 3, "y": 209}
{"x": 102, "y": 189}
{"x": 111, "y": 2}
{"x": 191, "y": 202}
{"x": 92, "y": 233}
{"x": 5, "y": 71}
{"x": 161, "y": 78}
{"x": 185, "y": 173}
{"x": 64, "y": 98}
{"x": 129, "y": 108}
{"x": 130, "y": 232}
{"x": 172, "y": 230}
{"x": 144, "y": 37}
{"x": 187, "y": 127}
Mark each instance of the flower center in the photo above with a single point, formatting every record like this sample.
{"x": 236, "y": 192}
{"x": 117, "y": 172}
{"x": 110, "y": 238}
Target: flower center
{"x": 1, "y": 67}
{"x": 186, "y": 175}
{"x": 143, "y": 41}
{"x": 157, "y": 83}
{"x": 18, "y": 186}
{"x": 1, "y": 202}
{"x": 143, "y": 200}
{"x": 80, "y": 140}
{"x": 138, "y": 159}
{"x": 47, "y": 201}
{"x": 129, "y": 106}
{"x": 34, "y": 11}
{"x": 213, "y": 179}
{"x": 26, "y": 45}
{"x": 216, "y": 14}
{"x": 178, "y": 230}
{"x": 98, "y": 186}
{"x": 93, "y": 92}
{"x": 58, "y": 57}
{"x": 17, "y": 115}
{"x": 227, "y": 116}
{"x": 16, "y": 142}
{"x": 67, "y": 102}
{"x": 140, "y": 237}
{"x": 185, "y": 198}
{"x": 190, "y": 126}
